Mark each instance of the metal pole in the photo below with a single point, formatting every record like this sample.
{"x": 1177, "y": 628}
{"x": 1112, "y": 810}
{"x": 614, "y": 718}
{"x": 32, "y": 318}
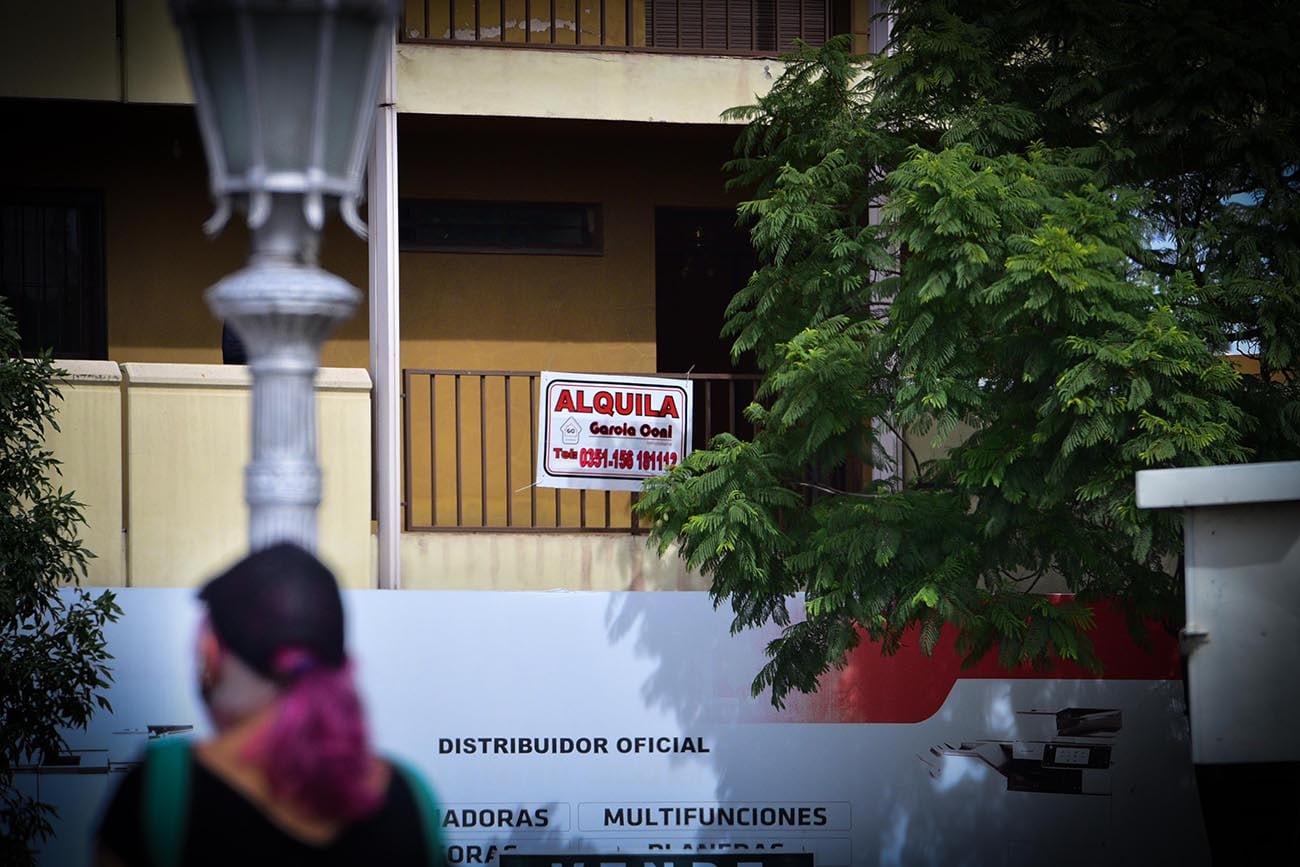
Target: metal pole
{"x": 283, "y": 306}
{"x": 385, "y": 331}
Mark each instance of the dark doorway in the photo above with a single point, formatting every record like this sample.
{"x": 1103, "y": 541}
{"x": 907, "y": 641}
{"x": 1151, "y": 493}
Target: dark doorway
{"x": 701, "y": 261}
{"x": 52, "y": 271}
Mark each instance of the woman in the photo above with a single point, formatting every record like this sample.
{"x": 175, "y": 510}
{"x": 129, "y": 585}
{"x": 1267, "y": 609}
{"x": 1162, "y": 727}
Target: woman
{"x": 289, "y": 777}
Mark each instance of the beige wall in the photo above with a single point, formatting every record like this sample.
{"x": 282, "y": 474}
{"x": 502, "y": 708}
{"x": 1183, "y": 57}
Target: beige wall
{"x": 594, "y": 85}
{"x": 540, "y": 561}
{"x": 152, "y": 56}
{"x": 187, "y": 444}
{"x": 89, "y": 445}
{"x": 59, "y": 49}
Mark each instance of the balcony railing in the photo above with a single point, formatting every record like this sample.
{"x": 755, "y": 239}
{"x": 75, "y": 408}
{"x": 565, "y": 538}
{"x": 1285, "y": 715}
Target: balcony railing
{"x": 764, "y": 28}
{"x": 469, "y": 453}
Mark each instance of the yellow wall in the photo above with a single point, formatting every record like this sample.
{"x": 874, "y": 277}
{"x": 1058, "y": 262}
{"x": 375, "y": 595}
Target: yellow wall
{"x": 89, "y": 446}
{"x": 187, "y": 444}
{"x": 59, "y": 49}
{"x": 532, "y": 312}
{"x": 148, "y": 164}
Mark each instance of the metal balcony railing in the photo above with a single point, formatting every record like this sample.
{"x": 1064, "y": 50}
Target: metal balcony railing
{"x": 469, "y": 453}
{"x": 763, "y": 28}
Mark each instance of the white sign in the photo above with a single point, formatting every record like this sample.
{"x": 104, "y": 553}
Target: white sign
{"x": 582, "y": 723}
{"x": 605, "y": 432}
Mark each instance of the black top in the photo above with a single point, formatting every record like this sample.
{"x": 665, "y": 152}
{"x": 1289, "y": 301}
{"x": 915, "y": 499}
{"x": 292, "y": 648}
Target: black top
{"x": 225, "y": 828}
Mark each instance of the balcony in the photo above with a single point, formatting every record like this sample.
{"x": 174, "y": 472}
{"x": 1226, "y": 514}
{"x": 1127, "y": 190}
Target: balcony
{"x": 740, "y": 28}
{"x": 469, "y": 453}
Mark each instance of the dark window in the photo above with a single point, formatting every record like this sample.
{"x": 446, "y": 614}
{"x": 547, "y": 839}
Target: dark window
{"x": 52, "y": 271}
{"x": 499, "y": 227}
{"x": 760, "y": 26}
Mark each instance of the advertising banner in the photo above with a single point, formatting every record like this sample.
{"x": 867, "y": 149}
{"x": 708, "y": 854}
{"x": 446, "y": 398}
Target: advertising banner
{"x": 606, "y": 432}
{"x": 574, "y": 724}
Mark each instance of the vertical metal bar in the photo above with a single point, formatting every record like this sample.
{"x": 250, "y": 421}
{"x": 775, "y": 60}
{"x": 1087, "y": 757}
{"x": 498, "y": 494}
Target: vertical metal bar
{"x": 407, "y": 497}
{"x": 726, "y": 24}
{"x": 482, "y": 449}
{"x": 627, "y": 23}
{"x": 602, "y": 22}
{"x": 532, "y": 452}
{"x": 433, "y": 451}
{"x": 557, "y": 507}
{"x": 801, "y": 2}
{"x": 731, "y": 406}
{"x": 632, "y": 508}
{"x": 424, "y": 25}
{"x": 553, "y": 2}
{"x": 607, "y": 510}
{"x": 510, "y": 487}
{"x": 677, "y": 23}
{"x": 459, "y": 492}
{"x": 478, "y": 30}
{"x": 582, "y": 508}
{"x": 753, "y": 25}
{"x": 708, "y": 411}
{"x": 528, "y": 21}
{"x": 451, "y": 19}
{"x": 577, "y": 22}
{"x": 503, "y": 20}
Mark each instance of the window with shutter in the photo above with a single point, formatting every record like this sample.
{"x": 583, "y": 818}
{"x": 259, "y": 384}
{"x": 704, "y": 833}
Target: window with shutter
{"x": 736, "y": 26}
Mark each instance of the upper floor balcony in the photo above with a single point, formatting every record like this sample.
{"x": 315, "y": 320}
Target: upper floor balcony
{"x": 742, "y": 28}
{"x": 673, "y": 61}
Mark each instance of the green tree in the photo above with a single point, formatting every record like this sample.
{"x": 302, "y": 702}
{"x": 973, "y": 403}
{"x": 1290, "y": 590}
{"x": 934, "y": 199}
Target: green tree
{"x": 1082, "y": 207}
{"x": 53, "y": 662}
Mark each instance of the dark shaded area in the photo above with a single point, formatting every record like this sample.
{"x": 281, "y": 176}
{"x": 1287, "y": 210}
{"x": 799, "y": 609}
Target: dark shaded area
{"x": 1251, "y": 811}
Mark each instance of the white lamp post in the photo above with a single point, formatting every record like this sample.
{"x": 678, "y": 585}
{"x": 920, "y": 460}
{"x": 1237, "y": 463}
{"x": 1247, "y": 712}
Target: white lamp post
{"x": 285, "y": 92}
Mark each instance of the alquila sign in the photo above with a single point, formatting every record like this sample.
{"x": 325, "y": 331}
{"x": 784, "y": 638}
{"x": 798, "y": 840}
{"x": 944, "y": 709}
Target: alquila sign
{"x": 607, "y": 432}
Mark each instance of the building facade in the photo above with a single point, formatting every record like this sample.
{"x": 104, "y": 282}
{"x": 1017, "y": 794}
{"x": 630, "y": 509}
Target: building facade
{"x": 550, "y": 196}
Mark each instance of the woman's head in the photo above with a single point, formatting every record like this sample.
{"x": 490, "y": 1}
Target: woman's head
{"x": 274, "y": 636}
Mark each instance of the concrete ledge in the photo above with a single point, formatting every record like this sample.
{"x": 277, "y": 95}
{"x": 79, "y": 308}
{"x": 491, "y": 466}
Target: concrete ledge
{"x": 233, "y": 376}
{"x": 587, "y": 85}
{"x": 1218, "y": 486}
{"x": 85, "y": 372}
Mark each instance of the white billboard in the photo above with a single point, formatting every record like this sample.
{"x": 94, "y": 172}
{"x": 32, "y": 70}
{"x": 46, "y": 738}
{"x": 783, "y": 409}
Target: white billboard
{"x": 607, "y": 432}
{"x": 563, "y": 723}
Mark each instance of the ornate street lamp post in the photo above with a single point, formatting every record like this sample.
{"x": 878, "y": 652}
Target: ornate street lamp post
{"x": 285, "y": 92}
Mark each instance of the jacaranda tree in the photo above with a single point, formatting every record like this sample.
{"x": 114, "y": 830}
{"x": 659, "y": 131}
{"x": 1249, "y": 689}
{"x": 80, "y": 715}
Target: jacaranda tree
{"x": 1048, "y": 224}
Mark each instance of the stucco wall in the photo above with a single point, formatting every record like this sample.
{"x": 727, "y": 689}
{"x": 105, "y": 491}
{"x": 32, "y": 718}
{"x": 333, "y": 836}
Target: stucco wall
{"x": 187, "y": 444}
{"x": 89, "y": 445}
{"x": 594, "y": 85}
{"x": 539, "y": 561}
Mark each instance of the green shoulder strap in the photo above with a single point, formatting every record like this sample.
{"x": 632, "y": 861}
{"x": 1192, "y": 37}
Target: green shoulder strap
{"x": 166, "y": 800}
{"x": 429, "y": 813}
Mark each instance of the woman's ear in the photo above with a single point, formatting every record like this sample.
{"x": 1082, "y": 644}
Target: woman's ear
{"x": 209, "y": 652}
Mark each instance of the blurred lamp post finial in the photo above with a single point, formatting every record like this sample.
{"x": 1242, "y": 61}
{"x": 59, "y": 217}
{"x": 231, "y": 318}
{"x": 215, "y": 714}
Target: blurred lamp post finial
{"x": 285, "y": 92}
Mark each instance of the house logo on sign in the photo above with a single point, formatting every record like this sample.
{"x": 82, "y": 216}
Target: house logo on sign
{"x": 570, "y": 431}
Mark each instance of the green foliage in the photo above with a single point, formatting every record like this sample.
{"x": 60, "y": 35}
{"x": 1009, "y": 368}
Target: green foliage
{"x": 1082, "y": 208}
{"x": 52, "y": 646}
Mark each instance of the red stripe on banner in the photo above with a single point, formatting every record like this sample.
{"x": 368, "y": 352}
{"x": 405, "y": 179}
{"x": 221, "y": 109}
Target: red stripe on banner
{"x": 910, "y": 687}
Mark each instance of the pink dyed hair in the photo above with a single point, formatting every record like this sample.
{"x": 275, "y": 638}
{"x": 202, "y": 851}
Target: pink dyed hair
{"x": 317, "y": 753}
